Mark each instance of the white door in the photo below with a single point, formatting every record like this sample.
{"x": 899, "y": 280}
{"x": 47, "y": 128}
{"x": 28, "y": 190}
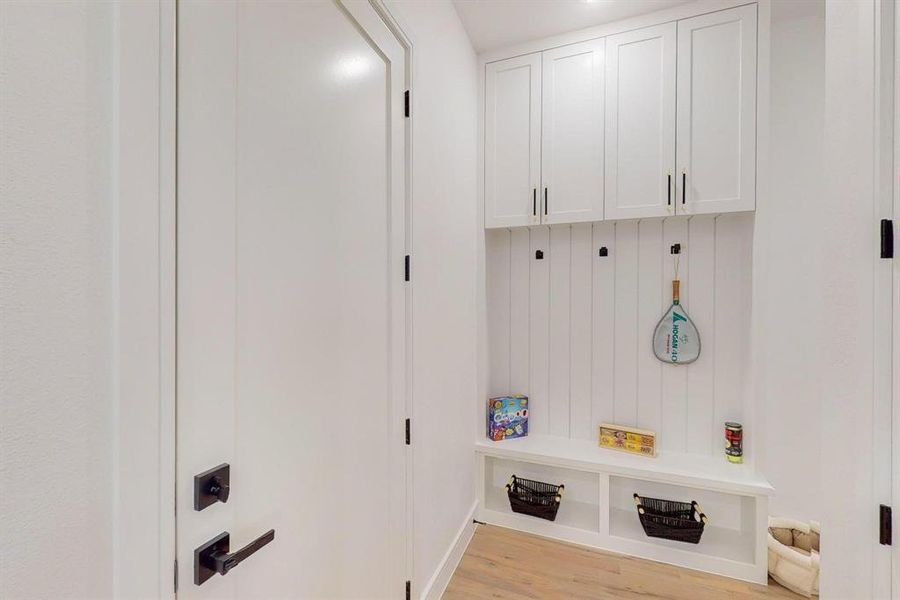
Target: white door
{"x": 291, "y": 302}
{"x": 512, "y": 141}
{"x": 716, "y": 154}
{"x": 640, "y": 123}
{"x": 572, "y": 133}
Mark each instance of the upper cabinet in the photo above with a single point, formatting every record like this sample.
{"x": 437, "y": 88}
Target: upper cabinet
{"x": 640, "y": 122}
{"x": 651, "y": 122}
{"x": 544, "y": 137}
{"x": 512, "y": 141}
{"x": 572, "y": 133}
{"x": 716, "y": 128}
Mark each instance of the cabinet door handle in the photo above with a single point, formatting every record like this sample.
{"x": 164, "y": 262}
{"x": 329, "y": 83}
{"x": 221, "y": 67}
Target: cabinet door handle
{"x": 669, "y": 189}
{"x": 683, "y": 186}
{"x": 534, "y": 201}
{"x": 545, "y": 200}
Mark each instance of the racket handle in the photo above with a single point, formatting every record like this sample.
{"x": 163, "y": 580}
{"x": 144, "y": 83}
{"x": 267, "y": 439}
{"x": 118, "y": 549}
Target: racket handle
{"x": 676, "y": 290}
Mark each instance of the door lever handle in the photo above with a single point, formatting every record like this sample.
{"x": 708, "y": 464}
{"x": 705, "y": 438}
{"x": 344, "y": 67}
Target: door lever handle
{"x": 215, "y": 556}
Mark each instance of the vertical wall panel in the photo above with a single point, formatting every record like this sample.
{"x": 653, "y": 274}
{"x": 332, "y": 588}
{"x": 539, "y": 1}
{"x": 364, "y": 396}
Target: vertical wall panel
{"x": 520, "y": 296}
{"x": 603, "y": 308}
{"x": 650, "y": 303}
{"x": 674, "y": 386}
{"x": 539, "y": 415}
{"x": 497, "y": 268}
{"x": 580, "y": 362}
{"x": 732, "y": 316}
{"x": 743, "y": 232}
{"x": 574, "y": 330}
{"x": 626, "y": 323}
{"x": 560, "y": 311}
{"x": 700, "y": 374}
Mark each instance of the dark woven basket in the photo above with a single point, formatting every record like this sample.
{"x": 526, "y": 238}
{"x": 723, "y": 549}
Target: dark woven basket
{"x": 534, "y": 498}
{"x": 670, "y": 520}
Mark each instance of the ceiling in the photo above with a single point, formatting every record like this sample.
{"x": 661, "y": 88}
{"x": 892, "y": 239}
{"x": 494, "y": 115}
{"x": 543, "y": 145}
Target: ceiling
{"x": 492, "y": 24}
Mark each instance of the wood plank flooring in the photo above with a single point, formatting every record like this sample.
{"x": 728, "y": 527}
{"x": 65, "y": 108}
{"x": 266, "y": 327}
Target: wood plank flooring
{"x": 505, "y": 564}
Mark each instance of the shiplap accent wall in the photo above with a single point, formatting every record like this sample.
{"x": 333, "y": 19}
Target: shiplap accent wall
{"x": 573, "y": 331}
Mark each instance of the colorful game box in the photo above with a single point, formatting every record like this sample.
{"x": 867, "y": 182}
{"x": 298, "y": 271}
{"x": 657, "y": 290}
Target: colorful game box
{"x": 507, "y": 417}
{"x": 627, "y": 439}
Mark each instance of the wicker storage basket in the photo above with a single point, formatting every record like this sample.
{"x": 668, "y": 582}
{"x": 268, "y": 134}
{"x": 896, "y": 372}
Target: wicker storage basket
{"x": 534, "y": 498}
{"x": 670, "y": 520}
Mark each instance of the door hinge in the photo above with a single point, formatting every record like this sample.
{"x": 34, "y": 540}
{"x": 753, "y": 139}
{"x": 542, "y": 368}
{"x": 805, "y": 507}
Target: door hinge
{"x": 408, "y": 432}
{"x": 406, "y": 103}
{"x": 885, "y": 536}
{"x": 408, "y": 590}
{"x": 176, "y": 577}
{"x": 887, "y": 238}
{"x": 406, "y": 268}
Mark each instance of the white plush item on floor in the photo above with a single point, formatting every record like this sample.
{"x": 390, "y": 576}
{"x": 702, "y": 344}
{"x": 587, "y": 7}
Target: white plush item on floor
{"x": 794, "y": 554}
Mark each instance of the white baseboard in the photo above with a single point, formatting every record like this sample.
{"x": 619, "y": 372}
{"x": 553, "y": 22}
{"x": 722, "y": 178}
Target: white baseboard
{"x": 435, "y": 587}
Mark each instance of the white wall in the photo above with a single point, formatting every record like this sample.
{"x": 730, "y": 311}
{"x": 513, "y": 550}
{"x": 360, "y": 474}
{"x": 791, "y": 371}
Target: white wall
{"x": 443, "y": 264}
{"x": 845, "y": 310}
{"x": 790, "y": 281}
{"x": 818, "y": 250}
{"x": 56, "y": 449}
{"x": 819, "y": 265}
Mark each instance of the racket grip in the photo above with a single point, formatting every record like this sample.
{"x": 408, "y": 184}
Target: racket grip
{"x": 676, "y": 290}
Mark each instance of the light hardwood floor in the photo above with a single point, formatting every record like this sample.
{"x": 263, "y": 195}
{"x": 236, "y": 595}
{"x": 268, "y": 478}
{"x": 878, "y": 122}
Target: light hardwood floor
{"x": 505, "y": 564}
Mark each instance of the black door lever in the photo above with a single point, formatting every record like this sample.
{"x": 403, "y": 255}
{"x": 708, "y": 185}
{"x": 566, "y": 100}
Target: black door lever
{"x": 214, "y": 556}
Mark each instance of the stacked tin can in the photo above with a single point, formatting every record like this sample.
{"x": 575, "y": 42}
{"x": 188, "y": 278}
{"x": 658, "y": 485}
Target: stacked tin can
{"x": 734, "y": 442}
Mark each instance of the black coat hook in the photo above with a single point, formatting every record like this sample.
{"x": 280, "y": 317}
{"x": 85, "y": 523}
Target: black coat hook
{"x": 539, "y": 254}
{"x": 676, "y": 249}
{"x": 603, "y": 251}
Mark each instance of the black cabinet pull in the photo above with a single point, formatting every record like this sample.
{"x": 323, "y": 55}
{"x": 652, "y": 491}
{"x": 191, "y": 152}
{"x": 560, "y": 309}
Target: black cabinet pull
{"x": 534, "y": 201}
{"x": 683, "y": 185}
{"x": 545, "y": 200}
{"x": 215, "y": 556}
{"x": 669, "y": 190}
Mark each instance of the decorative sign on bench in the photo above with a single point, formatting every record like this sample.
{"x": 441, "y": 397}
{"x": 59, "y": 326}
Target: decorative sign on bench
{"x": 628, "y": 439}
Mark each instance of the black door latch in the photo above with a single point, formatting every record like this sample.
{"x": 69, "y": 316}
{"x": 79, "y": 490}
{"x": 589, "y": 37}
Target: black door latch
{"x": 214, "y": 556}
{"x": 212, "y": 486}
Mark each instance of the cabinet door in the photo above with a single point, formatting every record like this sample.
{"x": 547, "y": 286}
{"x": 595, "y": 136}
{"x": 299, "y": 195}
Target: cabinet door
{"x": 640, "y": 122}
{"x": 716, "y": 154}
{"x": 572, "y": 133}
{"x": 512, "y": 141}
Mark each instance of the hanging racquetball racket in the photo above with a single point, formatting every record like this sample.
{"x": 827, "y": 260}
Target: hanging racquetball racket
{"x": 676, "y": 339}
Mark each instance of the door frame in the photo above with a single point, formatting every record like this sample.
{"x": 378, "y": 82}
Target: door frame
{"x": 886, "y": 425}
{"x": 406, "y": 43}
{"x": 144, "y": 196}
{"x": 893, "y": 78}
{"x": 886, "y": 291}
{"x": 886, "y": 401}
